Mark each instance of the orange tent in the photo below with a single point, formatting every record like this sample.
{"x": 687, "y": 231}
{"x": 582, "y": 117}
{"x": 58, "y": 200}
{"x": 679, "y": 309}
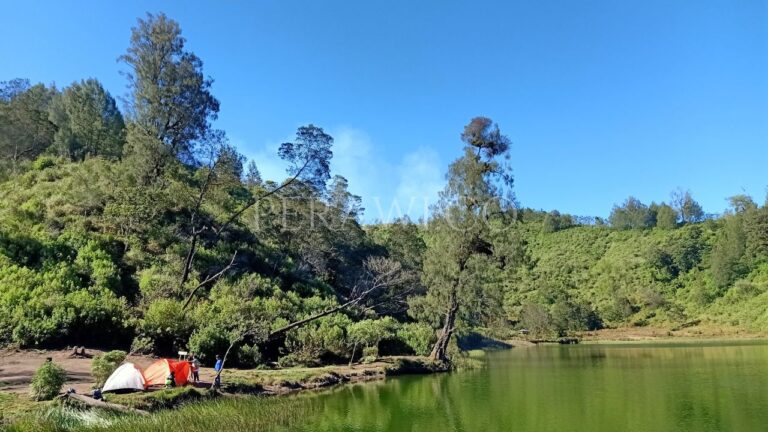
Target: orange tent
{"x": 158, "y": 371}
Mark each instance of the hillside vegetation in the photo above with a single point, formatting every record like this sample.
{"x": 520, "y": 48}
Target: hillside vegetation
{"x": 591, "y": 276}
{"x": 148, "y": 231}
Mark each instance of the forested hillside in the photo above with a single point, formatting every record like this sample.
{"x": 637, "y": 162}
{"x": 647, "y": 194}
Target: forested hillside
{"x": 714, "y": 270}
{"x": 145, "y": 228}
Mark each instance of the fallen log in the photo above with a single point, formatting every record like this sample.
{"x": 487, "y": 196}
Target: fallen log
{"x": 91, "y": 402}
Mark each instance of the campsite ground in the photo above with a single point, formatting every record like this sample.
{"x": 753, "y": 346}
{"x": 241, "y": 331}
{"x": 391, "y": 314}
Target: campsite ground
{"x": 18, "y": 366}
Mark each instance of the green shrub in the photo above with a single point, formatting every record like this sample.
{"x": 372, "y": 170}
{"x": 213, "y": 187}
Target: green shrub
{"x": 249, "y": 356}
{"x": 166, "y": 324}
{"x": 536, "y": 319}
{"x": 104, "y": 364}
{"x": 141, "y": 345}
{"x": 305, "y": 345}
{"x": 47, "y": 382}
{"x": 207, "y": 342}
{"x": 43, "y": 162}
{"x": 418, "y": 337}
{"x": 370, "y": 354}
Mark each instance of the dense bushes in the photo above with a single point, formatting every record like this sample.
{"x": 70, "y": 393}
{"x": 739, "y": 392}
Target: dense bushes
{"x": 307, "y": 345}
{"x": 45, "y": 307}
{"x": 367, "y": 334}
{"x": 418, "y": 337}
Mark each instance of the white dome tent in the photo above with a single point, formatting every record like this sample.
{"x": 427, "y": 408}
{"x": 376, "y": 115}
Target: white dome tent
{"x": 127, "y": 377}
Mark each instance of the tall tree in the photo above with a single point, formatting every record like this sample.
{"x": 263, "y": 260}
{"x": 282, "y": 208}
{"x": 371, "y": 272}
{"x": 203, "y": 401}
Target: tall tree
{"x": 458, "y": 233}
{"x": 88, "y": 122}
{"x": 689, "y": 210}
{"x": 756, "y": 227}
{"x": 171, "y": 105}
{"x": 632, "y": 214}
{"x": 309, "y": 156}
{"x": 309, "y": 161}
{"x": 666, "y": 216}
{"x": 727, "y": 262}
{"x": 25, "y": 131}
{"x": 742, "y": 203}
{"x": 344, "y": 202}
{"x": 252, "y": 175}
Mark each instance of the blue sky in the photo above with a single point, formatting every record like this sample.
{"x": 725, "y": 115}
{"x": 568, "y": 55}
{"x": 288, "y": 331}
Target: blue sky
{"x": 602, "y": 99}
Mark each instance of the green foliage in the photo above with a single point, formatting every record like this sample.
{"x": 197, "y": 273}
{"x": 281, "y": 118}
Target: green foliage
{"x": 687, "y": 208}
{"x": 633, "y": 214}
{"x": 536, "y": 319}
{"x": 87, "y": 121}
{"x": 727, "y": 254}
{"x": 25, "y": 132}
{"x": 43, "y": 162}
{"x": 574, "y": 316}
{"x": 207, "y": 342}
{"x": 756, "y": 230}
{"x": 308, "y": 344}
{"x": 666, "y": 216}
{"x": 47, "y": 381}
{"x": 554, "y": 221}
{"x": 166, "y": 324}
{"x": 368, "y": 333}
{"x": 104, "y": 364}
{"x": 418, "y": 337}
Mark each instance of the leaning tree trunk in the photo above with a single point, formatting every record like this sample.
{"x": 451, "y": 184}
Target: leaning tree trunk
{"x": 440, "y": 350}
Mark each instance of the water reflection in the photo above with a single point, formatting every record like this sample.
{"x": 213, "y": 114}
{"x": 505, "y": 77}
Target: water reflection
{"x": 570, "y": 388}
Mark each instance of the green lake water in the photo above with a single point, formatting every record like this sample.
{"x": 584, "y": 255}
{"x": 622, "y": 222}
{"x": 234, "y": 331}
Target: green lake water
{"x": 631, "y": 387}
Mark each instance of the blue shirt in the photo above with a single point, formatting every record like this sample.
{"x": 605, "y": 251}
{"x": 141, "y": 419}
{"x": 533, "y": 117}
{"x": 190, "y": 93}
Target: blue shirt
{"x": 217, "y": 367}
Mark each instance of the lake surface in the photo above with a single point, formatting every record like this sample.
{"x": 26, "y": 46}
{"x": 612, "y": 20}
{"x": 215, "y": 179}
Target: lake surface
{"x": 631, "y": 387}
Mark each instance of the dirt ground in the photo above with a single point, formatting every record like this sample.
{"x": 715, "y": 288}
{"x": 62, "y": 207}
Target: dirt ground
{"x": 655, "y": 333}
{"x": 18, "y": 366}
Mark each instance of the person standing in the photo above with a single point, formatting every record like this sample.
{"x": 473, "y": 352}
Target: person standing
{"x": 195, "y": 366}
{"x": 218, "y": 367}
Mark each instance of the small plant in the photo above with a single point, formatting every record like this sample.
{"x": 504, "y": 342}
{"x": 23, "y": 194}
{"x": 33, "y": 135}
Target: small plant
{"x": 47, "y": 381}
{"x": 104, "y": 364}
{"x": 370, "y": 354}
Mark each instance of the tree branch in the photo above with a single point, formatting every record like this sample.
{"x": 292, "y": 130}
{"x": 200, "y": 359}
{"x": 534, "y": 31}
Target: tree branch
{"x": 238, "y": 213}
{"x": 208, "y": 280}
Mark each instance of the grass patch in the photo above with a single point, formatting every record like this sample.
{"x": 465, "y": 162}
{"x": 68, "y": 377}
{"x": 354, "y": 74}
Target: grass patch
{"x": 160, "y": 399}
{"x": 253, "y": 413}
{"x": 16, "y": 406}
{"x": 288, "y": 378}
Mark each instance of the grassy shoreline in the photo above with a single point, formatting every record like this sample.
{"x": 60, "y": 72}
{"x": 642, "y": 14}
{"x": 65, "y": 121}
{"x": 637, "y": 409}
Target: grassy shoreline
{"x": 21, "y": 414}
